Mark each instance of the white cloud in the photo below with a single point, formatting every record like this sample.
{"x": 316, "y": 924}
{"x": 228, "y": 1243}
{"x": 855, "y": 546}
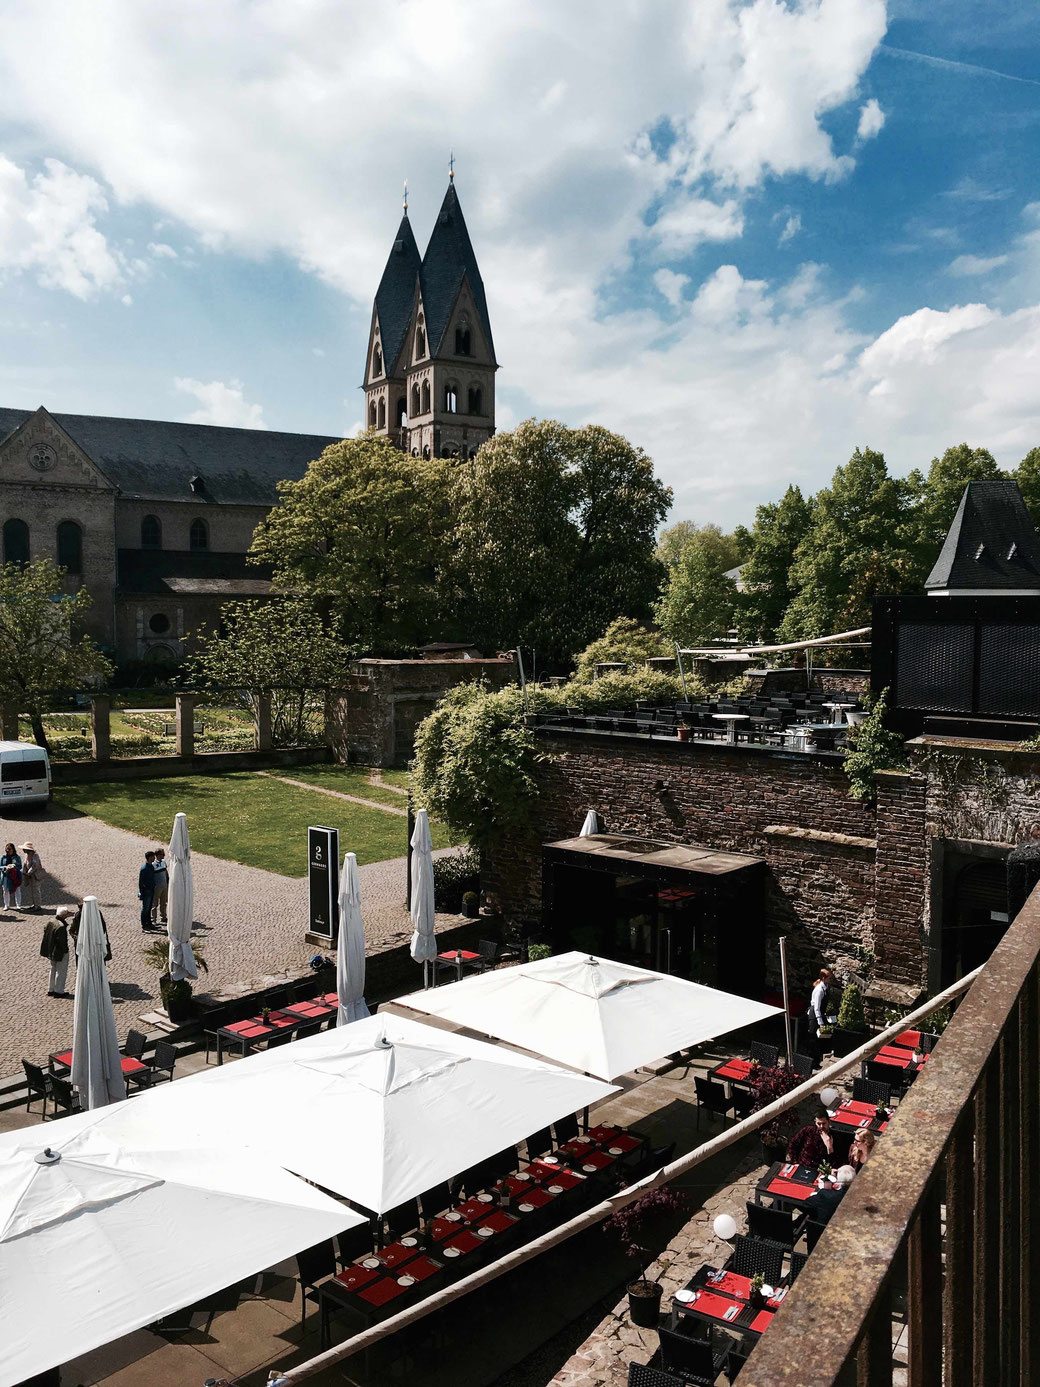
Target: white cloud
{"x": 161, "y": 250}
{"x": 684, "y": 227}
{"x": 127, "y": 300}
{"x": 791, "y": 228}
{"x": 221, "y": 402}
{"x": 871, "y": 120}
{"x": 47, "y": 227}
{"x": 976, "y": 264}
{"x": 671, "y": 285}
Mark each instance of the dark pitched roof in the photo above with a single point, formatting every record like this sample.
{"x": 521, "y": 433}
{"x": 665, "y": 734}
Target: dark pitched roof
{"x": 449, "y": 257}
{"x": 171, "y": 570}
{"x": 156, "y": 460}
{"x": 992, "y": 542}
{"x": 396, "y": 293}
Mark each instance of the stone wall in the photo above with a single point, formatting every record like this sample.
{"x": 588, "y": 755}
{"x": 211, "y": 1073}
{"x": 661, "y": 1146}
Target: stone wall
{"x": 230, "y": 527}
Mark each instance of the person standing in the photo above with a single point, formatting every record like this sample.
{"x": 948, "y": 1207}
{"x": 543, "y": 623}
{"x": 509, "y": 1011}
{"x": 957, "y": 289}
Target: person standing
{"x": 32, "y": 876}
{"x": 146, "y": 889}
{"x": 55, "y": 947}
{"x": 11, "y": 877}
{"x": 162, "y": 888}
{"x": 74, "y": 932}
{"x": 818, "y": 1007}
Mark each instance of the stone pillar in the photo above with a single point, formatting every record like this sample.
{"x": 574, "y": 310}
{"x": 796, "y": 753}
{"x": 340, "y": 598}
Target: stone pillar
{"x": 264, "y": 727}
{"x": 185, "y": 724}
{"x": 100, "y": 727}
{"x": 9, "y": 715}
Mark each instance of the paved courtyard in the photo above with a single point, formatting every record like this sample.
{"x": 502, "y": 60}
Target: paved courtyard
{"x": 253, "y": 924}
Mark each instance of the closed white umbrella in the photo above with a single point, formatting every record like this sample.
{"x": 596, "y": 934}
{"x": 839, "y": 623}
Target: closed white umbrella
{"x": 117, "y": 1236}
{"x": 424, "y": 943}
{"x": 602, "y": 1017}
{"x": 590, "y": 826}
{"x": 97, "y": 1071}
{"x": 181, "y": 903}
{"x": 350, "y": 950}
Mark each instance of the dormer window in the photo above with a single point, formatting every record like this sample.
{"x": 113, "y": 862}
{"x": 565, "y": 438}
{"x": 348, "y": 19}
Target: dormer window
{"x": 980, "y": 552}
{"x": 1012, "y": 553}
{"x": 197, "y": 484}
{"x": 462, "y": 342}
{"x": 377, "y": 361}
{"x": 420, "y": 339}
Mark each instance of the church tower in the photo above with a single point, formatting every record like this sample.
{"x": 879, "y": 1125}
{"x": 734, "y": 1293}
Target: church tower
{"x": 430, "y": 374}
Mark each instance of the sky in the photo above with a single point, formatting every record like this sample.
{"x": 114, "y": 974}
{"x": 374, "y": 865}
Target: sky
{"x": 749, "y": 235}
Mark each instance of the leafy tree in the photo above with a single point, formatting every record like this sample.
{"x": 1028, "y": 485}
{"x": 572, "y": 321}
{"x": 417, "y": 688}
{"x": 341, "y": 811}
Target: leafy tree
{"x": 779, "y": 529}
{"x": 624, "y": 641}
{"x": 1027, "y": 474}
{"x": 553, "y": 537}
{"x": 698, "y": 601}
{"x": 38, "y": 650}
{"x": 728, "y": 550}
{"x": 863, "y": 539}
{"x": 944, "y": 486}
{"x": 361, "y": 535}
{"x": 276, "y": 648}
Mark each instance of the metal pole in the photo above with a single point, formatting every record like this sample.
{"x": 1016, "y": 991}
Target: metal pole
{"x": 787, "y": 999}
{"x": 523, "y": 681}
{"x": 408, "y": 851}
{"x": 682, "y": 676}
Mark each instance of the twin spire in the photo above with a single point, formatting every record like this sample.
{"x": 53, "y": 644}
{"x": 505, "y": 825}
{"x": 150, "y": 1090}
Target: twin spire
{"x": 451, "y": 179}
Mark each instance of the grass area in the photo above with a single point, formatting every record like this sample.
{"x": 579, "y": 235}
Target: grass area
{"x": 244, "y": 817}
{"x": 348, "y": 780}
{"x": 398, "y": 778}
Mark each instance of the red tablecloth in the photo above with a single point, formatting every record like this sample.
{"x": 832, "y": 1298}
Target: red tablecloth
{"x": 380, "y": 1292}
{"x": 500, "y": 1221}
{"x": 128, "y": 1065}
{"x": 789, "y": 1189}
{"x": 466, "y": 1242}
{"x": 356, "y": 1276}
{"x": 734, "y": 1069}
{"x": 468, "y": 956}
{"x": 396, "y": 1254}
{"x": 441, "y": 1228}
{"x": 718, "y": 1307}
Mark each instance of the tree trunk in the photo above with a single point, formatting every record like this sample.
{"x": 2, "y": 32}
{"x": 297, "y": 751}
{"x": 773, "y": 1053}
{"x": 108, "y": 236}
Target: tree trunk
{"x": 38, "y": 731}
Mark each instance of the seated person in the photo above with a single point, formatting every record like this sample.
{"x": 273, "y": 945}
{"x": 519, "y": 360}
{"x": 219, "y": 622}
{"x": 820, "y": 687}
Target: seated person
{"x": 812, "y": 1144}
{"x": 822, "y": 1204}
{"x": 862, "y": 1145}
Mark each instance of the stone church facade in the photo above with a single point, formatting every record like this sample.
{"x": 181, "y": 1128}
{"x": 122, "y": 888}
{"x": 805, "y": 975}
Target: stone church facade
{"x": 155, "y": 519}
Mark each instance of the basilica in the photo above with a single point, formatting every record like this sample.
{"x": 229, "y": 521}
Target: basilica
{"x": 156, "y": 518}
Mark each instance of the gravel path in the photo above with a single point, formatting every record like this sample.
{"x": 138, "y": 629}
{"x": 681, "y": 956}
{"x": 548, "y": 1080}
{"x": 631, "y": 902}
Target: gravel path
{"x": 336, "y": 794}
{"x": 254, "y": 923}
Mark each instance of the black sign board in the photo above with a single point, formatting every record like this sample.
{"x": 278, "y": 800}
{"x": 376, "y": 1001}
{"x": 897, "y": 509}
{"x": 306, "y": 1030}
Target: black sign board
{"x": 323, "y": 878}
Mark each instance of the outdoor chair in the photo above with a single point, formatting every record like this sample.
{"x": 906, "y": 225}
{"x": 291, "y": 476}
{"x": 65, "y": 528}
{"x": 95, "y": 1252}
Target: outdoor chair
{"x": 798, "y": 1260}
{"x": 64, "y": 1096}
{"x": 893, "y": 1079}
{"x": 566, "y": 1129}
{"x": 775, "y": 1225}
{"x": 502, "y": 1163}
{"x": 693, "y": 1358}
{"x": 754, "y": 1255}
{"x": 735, "y": 1360}
{"x": 306, "y": 1031}
{"x": 538, "y": 1143}
{"x": 37, "y": 1085}
{"x": 164, "y": 1058}
{"x": 712, "y": 1096}
{"x": 654, "y": 1159}
{"x": 353, "y": 1243}
{"x": 872, "y": 1091}
{"x": 640, "y": 1375}
{"x": 435, "y": 1200}
{"x": 742, "y": 1100}
{"x": 314, "y": 1265}
{"x": 813, "y": 1232}
{"x": 283, "y": 1038}
{"x": 277, "y": 1000}
{"x": 135, "y": 1043}
{"x": 403, "y": 1218}
{"x": 802, "y": 1065}
{"x": 841, "y": 1137}
{"x": 765, "y": 1055}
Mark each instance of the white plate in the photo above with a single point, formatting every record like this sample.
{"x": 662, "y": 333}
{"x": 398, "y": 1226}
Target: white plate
{"x": 555, "y": 1189}
{"x": 485, "y": 1232}
{"x": 371, "y": 1262}
{"x": 454, "y": 1216}
{"x": 526, "y": 1208}
{"x": 768, "y": 1291}
{"x": 521, "y": 1175}
{"x": 486, "y": 1198}
{"x": 614, "y": 1151}
{"x": 451, "y": 1252}
{"x": 406, "y": 1280}
{"x": 409, "y": 1242}
{"x": 589, "y": 1169}
{"x": 550, "y": 1160}
{"x": 684, "y": 1297}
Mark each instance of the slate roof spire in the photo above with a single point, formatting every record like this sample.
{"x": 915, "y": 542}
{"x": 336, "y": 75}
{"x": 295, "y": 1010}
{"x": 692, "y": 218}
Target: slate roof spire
{"x": 992, "y": 545}
{"x": 396, "y": 292}
{"x": 448, "y": 260}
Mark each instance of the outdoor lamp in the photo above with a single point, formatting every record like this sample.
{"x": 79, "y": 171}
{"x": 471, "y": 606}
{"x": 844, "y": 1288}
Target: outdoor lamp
{"x": 725, "y": 1227}
{"x": 830, "y": 1097}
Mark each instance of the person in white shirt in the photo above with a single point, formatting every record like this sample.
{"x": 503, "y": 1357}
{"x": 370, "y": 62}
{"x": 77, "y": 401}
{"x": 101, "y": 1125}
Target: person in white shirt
{"x": 818, "y": 1002}
{"x": 162, "y": 887}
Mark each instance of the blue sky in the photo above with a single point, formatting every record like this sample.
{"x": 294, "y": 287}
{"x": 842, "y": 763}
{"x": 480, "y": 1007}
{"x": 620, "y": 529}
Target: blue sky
{"x": 750, "y": 236}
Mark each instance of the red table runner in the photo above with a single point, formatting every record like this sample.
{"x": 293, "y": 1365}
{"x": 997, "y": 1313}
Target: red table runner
{"x": 380, "y": 1292}
{"x": 353, "y": 1278}
{"x": 499, "y": 1221}
{"x": 578, "y": 1146}
{"x": 442, "y": 1228}
{"x": 395, "y": 1254}
{"x": 596, "y": 1160}
{"x": 734, "y": 1069}
{"x": 789, "y": 1189}
{"x": 517, "y": 1186}
{"x": 421, "y": 1268}
{"x": 466, "y": 1241}
{"x": 545, "y": 1170}
{"x": 474, "y": 1209}
{"x": 604, "y": 1132}
{"x": 565, "y": 1179}
{"x": 762, "y": 1321}
{"x": 536, "y": 1195}
{"x": 625, "y": 1142}
{"x": 718, "y": 1307}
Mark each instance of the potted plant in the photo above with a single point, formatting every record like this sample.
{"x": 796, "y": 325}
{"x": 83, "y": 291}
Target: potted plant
{"x": 755, "y": 1294}
{"x": 265, "y": 1014}
{"x": 852, "y": 1023}
{"x": 823, "y": 1173}
{"x": 768, "y": 1085}
{"x": 470, "y": 904}
{"x": 882, "y": 1113}
{"x": 631, "y": 1225}
{"x": 176, "y": 996}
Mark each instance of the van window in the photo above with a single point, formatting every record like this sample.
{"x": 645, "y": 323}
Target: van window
{"x": 36, "y": 769}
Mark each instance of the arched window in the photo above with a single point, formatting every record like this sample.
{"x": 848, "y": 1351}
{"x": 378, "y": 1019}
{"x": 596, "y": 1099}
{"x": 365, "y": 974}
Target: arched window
{"x": 382, "y": 414}
{"x": 70, "y": 547}
{"x": 377, "y": 362}
{"x": 400, "y": 413}
{"x": 415, "y": 452}
{"x": 473, "y": 451}
{"x": 426, "y": 397}
{"x": 420, "y": 340}
{"x": 475, "y": 400}
{"x": 451, "y": 398}
{"x": 151, "y": 532}
{"x": 415, "y": 401}
{"x": 426, "y": 452}
{"x": 371, "y": 414}
{"x": 16, "y": 541}
{"x": 198, "y": 535}
{"x": 462, "y": 342}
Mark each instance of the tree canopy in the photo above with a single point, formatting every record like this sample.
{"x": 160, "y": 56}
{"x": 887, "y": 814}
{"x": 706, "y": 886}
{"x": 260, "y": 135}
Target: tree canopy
{"x": 625, "y": 641}
{"x": 767, "y": 577}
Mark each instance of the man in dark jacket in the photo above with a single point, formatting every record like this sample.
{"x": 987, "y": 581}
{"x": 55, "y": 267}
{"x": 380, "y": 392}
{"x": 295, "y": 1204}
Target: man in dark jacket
{"x": 146, "y": 889}
{"x": 822, "y": 1205}
{"x": 55, "y": 948}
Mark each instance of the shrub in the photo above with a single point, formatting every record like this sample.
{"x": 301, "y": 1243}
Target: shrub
{"x": 851, "y": 1016}
{"x": 537, "y": 951}
{"x": 632, "y": 1224}
{"x": 769, "y": 1084}
{"x": 872, "y": 747}
{"x": 624, "y": 640}
{"x": 454, "y": 877}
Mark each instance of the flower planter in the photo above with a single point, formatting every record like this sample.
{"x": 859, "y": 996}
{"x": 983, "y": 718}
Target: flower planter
{"x": 844, "y": 1042}
{"x": 644, "y": 1303}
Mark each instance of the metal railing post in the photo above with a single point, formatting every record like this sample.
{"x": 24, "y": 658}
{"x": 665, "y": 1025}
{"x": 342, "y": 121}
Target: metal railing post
{"x": 986, "y": 1312}
{"x": 1010, "y": 1202}
{"x": 958, "y": 1338}
{"x": 924, "y": 1303}
{"x": 874, "y": 1361}
{"x": 1029, "y": 1164}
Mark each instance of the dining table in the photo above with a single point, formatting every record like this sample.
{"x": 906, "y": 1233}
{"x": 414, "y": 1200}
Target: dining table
{"x": 790, "y": 1185}
{"x": 258, "y": 1030}
{"x": 861, "y": 1116}
{"x": 723, "y": 1299}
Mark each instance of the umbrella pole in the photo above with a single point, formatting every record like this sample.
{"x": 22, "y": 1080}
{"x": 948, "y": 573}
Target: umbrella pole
{"x": 787, "y": 999}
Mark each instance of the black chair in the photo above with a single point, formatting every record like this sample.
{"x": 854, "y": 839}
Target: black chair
{"x": 754, "y": 1255}
{"x": 872, "y": 1091}
{"x": 711, "y": 1095}
{"x": 735, "y": 1360}
{"x": 566, "y": 1129}
{"x": 435, "y": 1200}
{"x": 305, "y": 1031}
{"x": 37, "y": 1085}
{"x": 693, "y": 1358}
{"x": 353, "y": 1243}
{"x": 501, "y": 1164}
{"x": 282, "y": 1038}
{"x": 314, "y": 1265}
{"x": 841, "y": 1139}
{"x": 402, "y": 1219}
{"x": 765, "y": 1055}
{"x": 654, "y": 1158}
{"x": 641, "y": 1375}
{"x": 488, "y": 951}
{"x": 538, "y": 1143}
{"x": 798, "y": 1260}
{"x": 277, "y": 1000}
{"x": 775, "y": 1225}
{"x": 135, "y": 1043}
{"x": 64, "y": 1096}
{"x": 742, "y": 1100}
{"x": 803, "y": 1065}
{"x": 164, "y": 1059}
{"x": 813, "y": 1232}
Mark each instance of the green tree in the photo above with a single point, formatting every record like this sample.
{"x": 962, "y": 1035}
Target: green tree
{"x": 1027, "y": 474}
{"x": 39, "y": 650}
{"x": 698, "y": 600}
{"x": 276, "y": 648}
{"x": 864, "y": 539}
{"x": 944, "y": 486}
{"x": 872, "y": 747}
{"x": 767, "y": 578}
{"x": 553, "y": 537}
{"x": 361, "y": 535}
{"x": 624, "y": 640}
{"x": 728, "y": 550}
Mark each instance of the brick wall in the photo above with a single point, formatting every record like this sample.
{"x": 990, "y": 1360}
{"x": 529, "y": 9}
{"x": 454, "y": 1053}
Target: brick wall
{"x": 901, "y": 877}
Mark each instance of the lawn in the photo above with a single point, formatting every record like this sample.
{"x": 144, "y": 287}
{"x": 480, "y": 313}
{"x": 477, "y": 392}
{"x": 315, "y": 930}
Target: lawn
{"x": 244, "y": 817}
{"x": 349, "y": 780}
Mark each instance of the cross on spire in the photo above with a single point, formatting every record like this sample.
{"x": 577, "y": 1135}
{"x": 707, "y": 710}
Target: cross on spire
{"x": 406, "y": 197}
{"x": 451, "y": 167}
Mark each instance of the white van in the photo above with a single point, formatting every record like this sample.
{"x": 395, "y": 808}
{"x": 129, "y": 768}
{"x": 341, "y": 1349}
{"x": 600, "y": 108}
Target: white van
{"x": 25, "y": 775}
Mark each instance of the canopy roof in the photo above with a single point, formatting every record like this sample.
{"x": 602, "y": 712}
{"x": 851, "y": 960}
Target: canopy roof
{"x": 106, "y": 1237}
{"x": 602, "y": 1017}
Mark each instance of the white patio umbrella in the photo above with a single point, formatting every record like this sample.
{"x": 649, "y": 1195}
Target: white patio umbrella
{"x": 117, "y": 1237}
{"x": 181, "y": 903}
{"x": 97, "y": 1071}
{"x": 591, "y": 825}
{"x": 378, "y": 1111}
{"x": 350, "y": 949}
{"x": 424, "y": 942}
{"x": 602, "y": 1017}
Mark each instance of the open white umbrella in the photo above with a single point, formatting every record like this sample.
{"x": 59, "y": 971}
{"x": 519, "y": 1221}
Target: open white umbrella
{"x": 117, "y": 1237}
{"x": 591, "y": 825}
{"x": 602, "y": 1017}
{"x": 97, "y": 1071}
{"x": 350, "y": 949}
{"x": 181, "y": 903}
{"x": 424, "y": 942}
{"x": 377, "y": 1111}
